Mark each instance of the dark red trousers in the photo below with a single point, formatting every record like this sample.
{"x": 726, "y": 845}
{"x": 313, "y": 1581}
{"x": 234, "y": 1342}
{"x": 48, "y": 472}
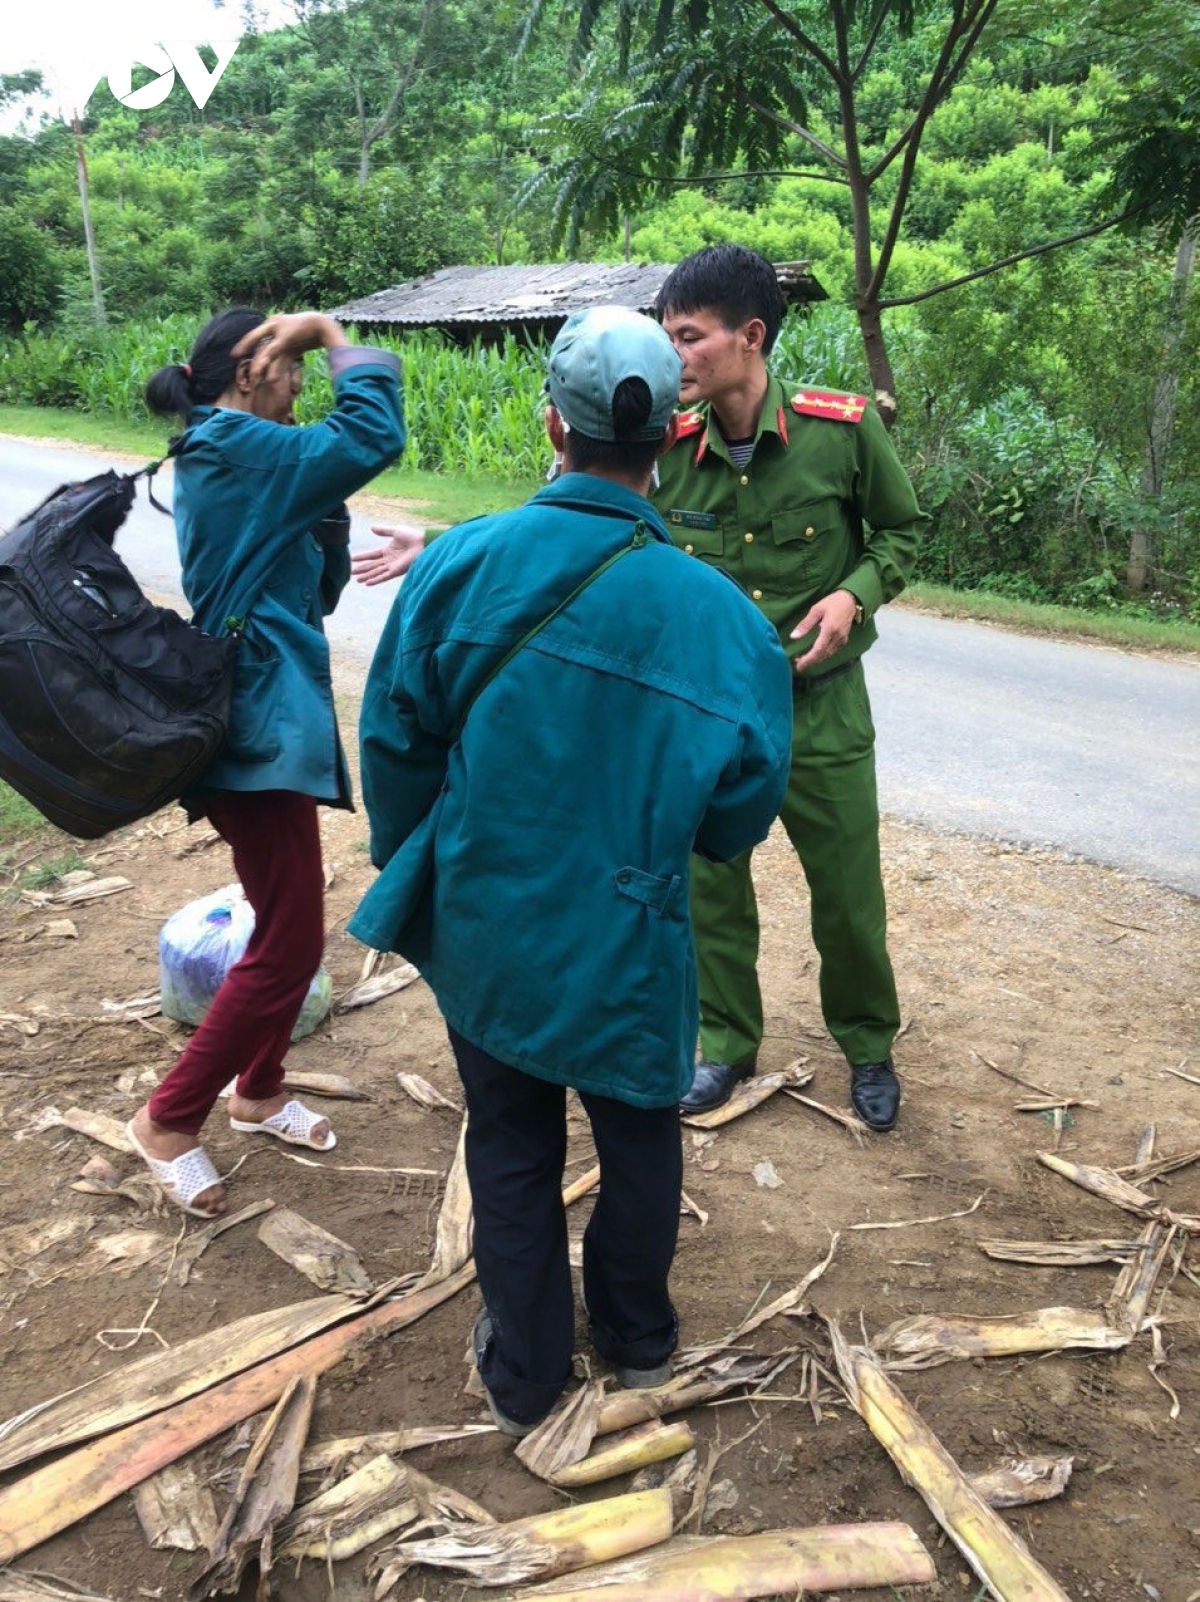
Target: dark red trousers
{"x": 247, "y": 1030}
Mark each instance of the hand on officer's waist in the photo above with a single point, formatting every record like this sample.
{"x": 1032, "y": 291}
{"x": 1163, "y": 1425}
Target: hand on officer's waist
{"x": 405, "y": 542}
{"x": 832, "y": 617}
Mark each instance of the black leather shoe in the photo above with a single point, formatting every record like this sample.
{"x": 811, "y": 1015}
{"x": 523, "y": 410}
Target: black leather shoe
{"x": 875, "y": 1093}
{"x": 713, "y": 1085}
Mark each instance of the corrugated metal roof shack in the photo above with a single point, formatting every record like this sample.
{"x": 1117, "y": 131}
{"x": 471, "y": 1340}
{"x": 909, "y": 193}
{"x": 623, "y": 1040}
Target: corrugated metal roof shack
{"x": 485, "y": 303}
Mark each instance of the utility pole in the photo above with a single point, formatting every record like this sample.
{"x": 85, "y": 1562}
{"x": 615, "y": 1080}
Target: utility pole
{"x": 89, "y": 236}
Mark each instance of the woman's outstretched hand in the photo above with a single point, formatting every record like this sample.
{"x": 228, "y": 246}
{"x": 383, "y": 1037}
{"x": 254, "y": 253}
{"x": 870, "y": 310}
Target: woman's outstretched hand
{"x": 405, "y": 542}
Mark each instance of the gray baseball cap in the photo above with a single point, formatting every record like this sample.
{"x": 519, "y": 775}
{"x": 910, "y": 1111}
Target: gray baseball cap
{"x": 596, "y": 351}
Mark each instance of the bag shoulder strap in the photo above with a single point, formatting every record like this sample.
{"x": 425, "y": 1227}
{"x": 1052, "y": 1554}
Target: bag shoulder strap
{"x": 639, "y": 539}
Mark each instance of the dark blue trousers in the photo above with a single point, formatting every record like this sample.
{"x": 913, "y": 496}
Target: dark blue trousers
{"x": 515, "y": 1150}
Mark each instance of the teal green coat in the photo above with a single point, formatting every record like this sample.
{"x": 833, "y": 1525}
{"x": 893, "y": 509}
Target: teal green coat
{"x": 536, "y": 869}
{"x": 250, "y": 497}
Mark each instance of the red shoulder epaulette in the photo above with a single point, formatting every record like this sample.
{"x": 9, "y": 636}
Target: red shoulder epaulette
{"x": 832, "y": 403}
{"x": 689, "y": 423}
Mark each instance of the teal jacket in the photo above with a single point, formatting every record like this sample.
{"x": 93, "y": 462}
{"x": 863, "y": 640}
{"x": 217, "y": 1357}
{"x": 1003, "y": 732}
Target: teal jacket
{"x": 536, "y": 868}
{"x": 263, "y": 547}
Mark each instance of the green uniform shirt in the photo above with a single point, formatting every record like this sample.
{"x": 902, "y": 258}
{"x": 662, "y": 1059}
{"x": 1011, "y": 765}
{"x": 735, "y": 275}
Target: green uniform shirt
{"x": 821, "y": 505}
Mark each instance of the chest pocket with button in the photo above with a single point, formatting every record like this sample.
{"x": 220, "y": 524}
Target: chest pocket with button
{"x": 709, "y": 542}
{"x": 813, "y": 546}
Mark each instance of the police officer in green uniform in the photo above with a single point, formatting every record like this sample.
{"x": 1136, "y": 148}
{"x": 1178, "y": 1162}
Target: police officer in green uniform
{"x": 799, "y": 495}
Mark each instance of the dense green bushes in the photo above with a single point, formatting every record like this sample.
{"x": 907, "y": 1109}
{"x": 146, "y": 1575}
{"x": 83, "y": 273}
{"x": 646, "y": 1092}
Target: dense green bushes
{"x": 1024, "y": 502}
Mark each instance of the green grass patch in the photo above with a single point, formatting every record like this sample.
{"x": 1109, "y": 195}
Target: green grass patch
{"x": 18, "y": 819}
{"x": 48, "y": 873}
{"x": 1036, "y": 617}
{"x": 96, "y": 431}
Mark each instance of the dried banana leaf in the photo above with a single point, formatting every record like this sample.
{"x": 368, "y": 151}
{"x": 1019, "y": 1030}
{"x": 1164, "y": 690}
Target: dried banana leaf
{"x": 847, "y": 1120}
{"x": 199, "y": 1242}
{"x": 548, "y": 1543}
{"x": 786, "y": 1563}
{"x": 53, "y": 1498}
{"x": 994, "y": 1552}
{"x": 650, "y": 1443}
{"x": 17, "y": 1586}
{"x": 1061, "y": 1253}
{"x": 456, "y": 1220}
{"x": 751, "y": 1093}
{"x": 176, "y": 1510}
{"x": 330, "y": 1454}
{"x": 330, "y": 1263}
{"x": 1020, "y": 1480}
{"x": 265, "y": 1492}
{"x": 792, "y": 1302}
{"x": 156, "y": 1382}
{"x": 565, "y": 1437}
{"x": 929, "y": 1339}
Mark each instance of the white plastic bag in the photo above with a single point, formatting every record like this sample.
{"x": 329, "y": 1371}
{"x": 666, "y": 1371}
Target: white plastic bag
{"x": 201, "y": 942}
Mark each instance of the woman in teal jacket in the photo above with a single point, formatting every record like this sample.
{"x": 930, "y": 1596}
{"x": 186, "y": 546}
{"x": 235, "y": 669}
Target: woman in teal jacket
{"x": 263, "y": 540}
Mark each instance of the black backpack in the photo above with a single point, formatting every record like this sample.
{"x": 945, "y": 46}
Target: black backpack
{"x": 110, "y": 706}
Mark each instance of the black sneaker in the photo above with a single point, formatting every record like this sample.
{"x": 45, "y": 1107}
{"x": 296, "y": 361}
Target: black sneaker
{"x": 479, "y": 1344}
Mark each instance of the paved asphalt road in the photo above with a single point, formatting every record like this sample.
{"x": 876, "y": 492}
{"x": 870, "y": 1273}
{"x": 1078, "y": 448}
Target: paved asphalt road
{"x": 1090, "y": 750}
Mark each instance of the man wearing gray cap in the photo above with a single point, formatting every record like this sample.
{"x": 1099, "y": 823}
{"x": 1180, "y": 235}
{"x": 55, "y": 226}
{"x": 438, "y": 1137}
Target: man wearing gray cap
{"x": 562, "y": 707}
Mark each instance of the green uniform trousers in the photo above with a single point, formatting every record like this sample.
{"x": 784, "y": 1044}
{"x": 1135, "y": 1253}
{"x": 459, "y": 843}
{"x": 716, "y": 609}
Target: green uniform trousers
{"x": 831, "y": 814}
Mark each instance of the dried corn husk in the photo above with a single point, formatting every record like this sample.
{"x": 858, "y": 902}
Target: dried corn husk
{"x": 1061, "y": 1253}
{"x": 330, "y": 1263}
{"x": 176, "y": 1510}
{"x": 751, "y": 1093}
{"x": 931, "y": 1338}
{"x": 199, "y": 1241}
{"x": 847, "y": 1120}
{"x": 651, "y": 1443}
{"x": 549, "y": 1543}
{"x": 265, "y": 1492}
{"x": 787, "y": 1563}
{"x": 995, "y": 1553}
{"x": 1019, "y": 1480}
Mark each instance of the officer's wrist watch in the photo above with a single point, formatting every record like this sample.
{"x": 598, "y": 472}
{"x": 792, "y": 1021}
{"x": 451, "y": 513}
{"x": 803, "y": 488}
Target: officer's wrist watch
{"x": 859, "y": 614}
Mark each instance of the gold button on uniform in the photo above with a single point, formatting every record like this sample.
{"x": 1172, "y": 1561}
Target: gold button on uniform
{"x": 757, "y": 594}
{"x": 809, "y": 532}
{"x": 744, "y": 480}
{"x": 749, "y": 538}
{"x": 689, "y": 549}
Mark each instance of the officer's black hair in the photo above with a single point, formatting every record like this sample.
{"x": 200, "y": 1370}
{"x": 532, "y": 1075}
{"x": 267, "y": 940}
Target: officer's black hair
{"x": 730, "y": 281}
{"x": 208, "y": 371}
{"x": 631, "y": 405}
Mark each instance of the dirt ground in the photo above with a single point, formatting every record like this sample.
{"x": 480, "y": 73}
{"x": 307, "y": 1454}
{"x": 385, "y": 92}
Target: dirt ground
{"x": 1078, "y": 978}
